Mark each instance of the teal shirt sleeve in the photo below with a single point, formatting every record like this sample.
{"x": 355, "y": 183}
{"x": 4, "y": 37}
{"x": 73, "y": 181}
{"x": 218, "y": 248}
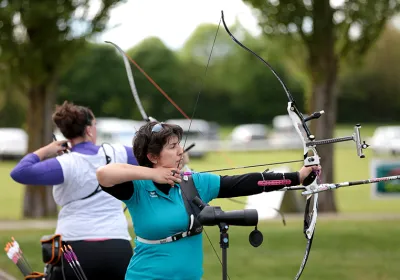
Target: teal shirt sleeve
{"x": 207, "y": 185}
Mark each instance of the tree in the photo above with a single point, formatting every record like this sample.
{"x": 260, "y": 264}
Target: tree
{"x": 97, "y": 79}
{"x": 373, "y": 85}
{"x": 38, "y": 39}
{"x": 213, "y": 88}
{"x": 164, "y": 67}
{"x": 328, "y": 34}
{"x": 243, "y": 95}
{"x": 13, "y": 103}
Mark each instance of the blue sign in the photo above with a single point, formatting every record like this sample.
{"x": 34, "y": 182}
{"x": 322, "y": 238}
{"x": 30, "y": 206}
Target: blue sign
{"x": 384, "y": 168}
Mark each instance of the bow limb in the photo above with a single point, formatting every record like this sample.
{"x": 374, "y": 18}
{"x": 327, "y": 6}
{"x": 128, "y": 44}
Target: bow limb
{"x": 131, "y": 82}
{"x": 310, "y": 155}
{"x": 130, "y": 77}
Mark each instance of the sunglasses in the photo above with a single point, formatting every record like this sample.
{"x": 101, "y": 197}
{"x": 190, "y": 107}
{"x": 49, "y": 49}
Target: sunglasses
{"x": 158, "y": 127}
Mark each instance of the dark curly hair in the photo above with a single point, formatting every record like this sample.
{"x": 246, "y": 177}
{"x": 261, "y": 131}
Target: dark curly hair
{"x": 72, "y": 119}
{"x": 146, "y": 141}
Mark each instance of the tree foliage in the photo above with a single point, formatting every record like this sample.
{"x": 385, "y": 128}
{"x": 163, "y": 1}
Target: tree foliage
{"x": 38, "y": 39}
{"x": 372, "y": 86}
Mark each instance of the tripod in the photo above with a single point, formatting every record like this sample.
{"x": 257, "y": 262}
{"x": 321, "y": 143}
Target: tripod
{"x": 213, "y": 215}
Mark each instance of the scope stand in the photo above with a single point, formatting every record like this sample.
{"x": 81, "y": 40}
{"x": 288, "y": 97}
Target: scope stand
{"x": 224, "y": 244}
{"x": 213, "y": 215}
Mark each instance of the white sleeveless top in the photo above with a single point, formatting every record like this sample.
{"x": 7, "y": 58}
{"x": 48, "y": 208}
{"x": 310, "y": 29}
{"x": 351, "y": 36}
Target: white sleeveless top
{"x": 97, "y": 217}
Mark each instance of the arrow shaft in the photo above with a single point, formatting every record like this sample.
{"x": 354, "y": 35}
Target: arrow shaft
{"x": 327, "y": 187}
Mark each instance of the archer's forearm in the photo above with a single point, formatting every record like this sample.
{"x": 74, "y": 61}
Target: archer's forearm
{"x": 246, "y": 184}
{"x": 117, "y": 173}
{"x": 31, "y": 171}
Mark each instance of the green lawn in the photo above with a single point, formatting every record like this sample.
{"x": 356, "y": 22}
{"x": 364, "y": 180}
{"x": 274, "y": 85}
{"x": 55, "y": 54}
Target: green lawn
{"x": 11, "y": 197}
{"x": 348, "y": 166}
{"x": 345, "y": 250}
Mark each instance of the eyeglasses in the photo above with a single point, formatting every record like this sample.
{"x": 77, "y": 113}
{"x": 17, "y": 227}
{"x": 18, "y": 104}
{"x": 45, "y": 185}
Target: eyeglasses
{"x": 158, "y": 127}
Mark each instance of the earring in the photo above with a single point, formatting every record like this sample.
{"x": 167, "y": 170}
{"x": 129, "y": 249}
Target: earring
{"x": 155, "y": 162}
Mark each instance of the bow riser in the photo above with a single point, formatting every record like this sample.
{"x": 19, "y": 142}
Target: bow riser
{"x": 305, "y": 135}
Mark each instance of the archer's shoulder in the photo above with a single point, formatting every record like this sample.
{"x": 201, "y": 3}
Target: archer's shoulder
{"x": 205, "y": 177}
{"x": 67, "y": 161}
{"x": 67, "y": 157}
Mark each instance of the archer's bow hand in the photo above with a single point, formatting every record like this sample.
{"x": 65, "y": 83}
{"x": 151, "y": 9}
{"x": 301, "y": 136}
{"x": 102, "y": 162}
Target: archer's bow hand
{"x": 306, "y": 171}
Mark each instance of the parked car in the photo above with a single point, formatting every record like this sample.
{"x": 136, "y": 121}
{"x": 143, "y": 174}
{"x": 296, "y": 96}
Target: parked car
{"x": 282, "y": 122}
{"x": 113, "y": 130}
{"x": 201, "y": 132}
{"x": 13, "y": 143}
{"x": 246, "y": 133}
{"x": 284, "y": 135}
{"x": 386, "y": 139}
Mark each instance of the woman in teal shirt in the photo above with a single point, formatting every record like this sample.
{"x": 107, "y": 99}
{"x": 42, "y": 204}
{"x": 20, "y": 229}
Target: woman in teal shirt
{"x": 154, "y": 198}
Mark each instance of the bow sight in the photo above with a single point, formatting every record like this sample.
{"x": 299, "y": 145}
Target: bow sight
{"x": 356, "y": 136}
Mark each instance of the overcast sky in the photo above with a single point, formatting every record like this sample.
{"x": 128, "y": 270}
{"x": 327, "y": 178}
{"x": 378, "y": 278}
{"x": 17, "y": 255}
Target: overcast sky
{"x": 173, "y": 21}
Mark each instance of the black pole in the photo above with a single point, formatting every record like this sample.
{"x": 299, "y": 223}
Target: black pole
{"x": 213, "y": 215}
{"x": 224, "y": 244}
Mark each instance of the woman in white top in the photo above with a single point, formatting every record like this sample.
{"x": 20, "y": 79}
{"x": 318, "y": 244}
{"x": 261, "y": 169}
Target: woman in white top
{"x": 90, "y": 220}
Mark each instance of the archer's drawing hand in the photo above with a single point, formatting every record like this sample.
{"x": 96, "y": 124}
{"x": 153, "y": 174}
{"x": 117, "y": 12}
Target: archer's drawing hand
{"x": 306, "y": 170}
{"x": 56, "y": 147}
{"x": 169, "y": 176}
{"x": 52, "y": 149}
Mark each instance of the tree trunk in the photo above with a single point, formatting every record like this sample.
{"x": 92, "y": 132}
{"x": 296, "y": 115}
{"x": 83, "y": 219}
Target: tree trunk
{"x": 38, "y": 200}
{"x": 323, "y": 67}
{"x": 324, "y": 96}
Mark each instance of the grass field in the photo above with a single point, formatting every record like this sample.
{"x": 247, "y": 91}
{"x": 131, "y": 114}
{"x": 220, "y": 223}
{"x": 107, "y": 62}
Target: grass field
{"x": 345, "y": 250}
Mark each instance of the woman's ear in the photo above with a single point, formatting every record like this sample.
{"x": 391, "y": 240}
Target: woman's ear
{"x": 89, "y": 131}
{"x": 153, "y": 158}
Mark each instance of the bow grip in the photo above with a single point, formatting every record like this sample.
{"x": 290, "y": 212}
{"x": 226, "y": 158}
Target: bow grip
{"x": 310, "y": 178}
{"x": 311, "y": 161}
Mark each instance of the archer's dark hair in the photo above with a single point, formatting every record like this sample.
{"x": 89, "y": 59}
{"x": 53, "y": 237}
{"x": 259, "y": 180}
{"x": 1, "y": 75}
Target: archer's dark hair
{"x": 146, "y": 141}
{"x": 72, "y": 119}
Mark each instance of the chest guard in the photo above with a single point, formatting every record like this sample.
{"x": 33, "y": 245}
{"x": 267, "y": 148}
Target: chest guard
{"x": 189, "y": 192}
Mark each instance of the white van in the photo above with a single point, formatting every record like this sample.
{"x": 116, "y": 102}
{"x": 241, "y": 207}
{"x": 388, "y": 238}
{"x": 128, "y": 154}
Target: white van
{"x": 114, "y": 130}
{"x": 13, "y": 142}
